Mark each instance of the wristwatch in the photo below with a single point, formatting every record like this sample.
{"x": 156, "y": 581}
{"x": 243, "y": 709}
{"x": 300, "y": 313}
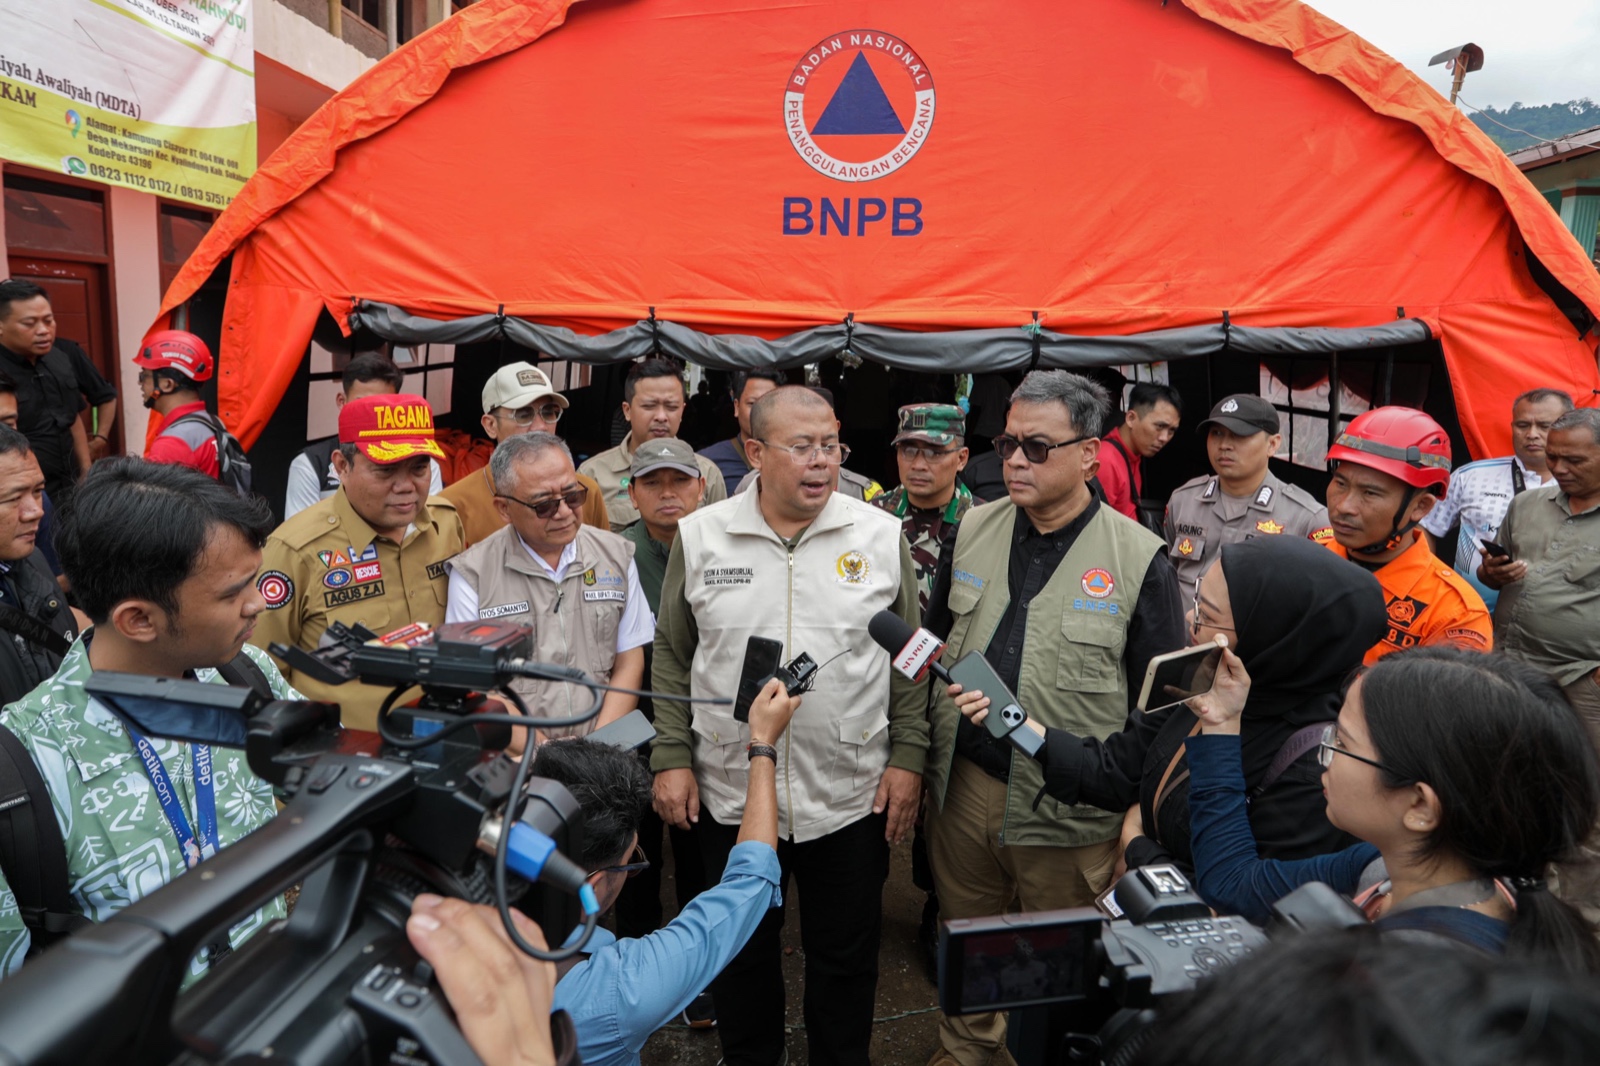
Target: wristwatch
{"x": 762, "y": 751}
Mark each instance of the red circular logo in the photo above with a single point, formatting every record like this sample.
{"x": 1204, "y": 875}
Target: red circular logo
{"x": 1098, "y": 583}
{"x": 859, "y": 105}
{"x": 275, "y": 587}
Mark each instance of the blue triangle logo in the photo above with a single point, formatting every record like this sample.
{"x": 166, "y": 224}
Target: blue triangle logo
{"x": 859, "y": 105}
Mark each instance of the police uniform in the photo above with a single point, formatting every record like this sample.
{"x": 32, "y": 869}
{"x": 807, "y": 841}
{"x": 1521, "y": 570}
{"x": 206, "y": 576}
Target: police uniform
{"x": 1201, "y": 518}
{"x": 326, "y": 564}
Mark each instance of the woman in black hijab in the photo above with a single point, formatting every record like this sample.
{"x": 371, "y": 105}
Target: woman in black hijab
{"x": 1301, "y": 618}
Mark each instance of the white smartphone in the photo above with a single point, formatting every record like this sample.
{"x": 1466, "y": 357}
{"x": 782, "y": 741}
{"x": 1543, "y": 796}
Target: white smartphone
{"x": 1178, "y": 675}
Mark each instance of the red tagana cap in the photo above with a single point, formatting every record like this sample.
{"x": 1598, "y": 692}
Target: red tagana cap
{"x": 388, "y": 429}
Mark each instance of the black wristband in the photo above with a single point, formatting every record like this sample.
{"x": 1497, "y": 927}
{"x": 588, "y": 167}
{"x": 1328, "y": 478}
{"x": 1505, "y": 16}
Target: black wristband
{"x": 764, "y": 751}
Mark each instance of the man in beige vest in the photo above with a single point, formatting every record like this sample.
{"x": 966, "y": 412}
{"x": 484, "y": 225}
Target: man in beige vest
{"x": 654, "y": 397}
{"x": 1068, "y": 601}
{"x": 794, "y": 561}
{"x": 575, "y": 585}
{"x": 517, "y": 398}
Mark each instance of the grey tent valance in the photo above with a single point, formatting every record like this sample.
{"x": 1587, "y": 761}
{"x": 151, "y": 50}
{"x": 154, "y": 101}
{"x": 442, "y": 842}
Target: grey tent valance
{"x": 948, "y": 352}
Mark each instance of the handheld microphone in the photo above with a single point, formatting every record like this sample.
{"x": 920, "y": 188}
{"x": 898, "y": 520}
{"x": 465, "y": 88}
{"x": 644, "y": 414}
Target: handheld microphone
{"x": 914, "y": 652}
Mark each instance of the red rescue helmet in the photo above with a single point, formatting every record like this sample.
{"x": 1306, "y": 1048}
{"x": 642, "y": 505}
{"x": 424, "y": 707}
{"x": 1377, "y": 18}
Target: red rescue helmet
{"x": 1400, "y": 441}
{"x": 173, "y": 349}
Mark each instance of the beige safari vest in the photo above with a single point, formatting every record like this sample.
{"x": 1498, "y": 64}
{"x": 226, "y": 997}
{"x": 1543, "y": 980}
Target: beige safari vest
{"x": 574, "y": 621}
{"x": 741, "y": 580}
{"x": 1072, "y": 674}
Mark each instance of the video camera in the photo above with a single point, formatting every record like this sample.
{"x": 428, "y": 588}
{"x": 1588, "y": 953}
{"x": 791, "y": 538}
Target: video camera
{"x": 1089, "y": 984}
{"x": 371, "y": 821}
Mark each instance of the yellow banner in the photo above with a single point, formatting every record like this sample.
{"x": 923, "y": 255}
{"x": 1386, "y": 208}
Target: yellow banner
{"x": 154, "y": 95}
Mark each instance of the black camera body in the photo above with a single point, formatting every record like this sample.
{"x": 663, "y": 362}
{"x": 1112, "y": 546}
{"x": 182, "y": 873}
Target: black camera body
{"x": 1086, "y": 984}
{"x": 368, "y": 824}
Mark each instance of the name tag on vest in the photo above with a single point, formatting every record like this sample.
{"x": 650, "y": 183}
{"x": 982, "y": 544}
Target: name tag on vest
{"x": 503, "y": 610}
{"x": 617, "y": 595}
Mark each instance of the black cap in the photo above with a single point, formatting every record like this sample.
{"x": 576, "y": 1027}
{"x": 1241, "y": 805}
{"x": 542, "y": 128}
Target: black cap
{"x": 1244, "y": 414}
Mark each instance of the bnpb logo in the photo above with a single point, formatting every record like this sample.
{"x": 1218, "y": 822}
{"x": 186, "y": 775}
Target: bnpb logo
{"x": 859, "y": 105}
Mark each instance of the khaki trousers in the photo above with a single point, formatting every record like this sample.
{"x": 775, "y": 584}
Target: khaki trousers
{"x": 974, "y": 877}
{"x": 1578, "y": 882}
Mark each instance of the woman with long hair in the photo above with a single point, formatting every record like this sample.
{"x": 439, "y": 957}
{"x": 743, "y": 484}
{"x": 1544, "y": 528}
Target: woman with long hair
{"x": 1469, "y": 775}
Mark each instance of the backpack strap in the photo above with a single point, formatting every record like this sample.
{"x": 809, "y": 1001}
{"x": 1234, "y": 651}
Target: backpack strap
{"x": 245, "y": 672}
{"x": 32, "y": 630}
{"x": 1301, "y": 741}
{"x": 32, "y": 852}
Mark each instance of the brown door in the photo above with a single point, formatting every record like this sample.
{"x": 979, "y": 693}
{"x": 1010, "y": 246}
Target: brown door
{"x": 77, "y": 294}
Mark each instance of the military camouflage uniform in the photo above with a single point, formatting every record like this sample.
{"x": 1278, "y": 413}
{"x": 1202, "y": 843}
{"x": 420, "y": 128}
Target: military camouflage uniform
{"x": 120, "y": 846}
{"x": 929, "y": 532}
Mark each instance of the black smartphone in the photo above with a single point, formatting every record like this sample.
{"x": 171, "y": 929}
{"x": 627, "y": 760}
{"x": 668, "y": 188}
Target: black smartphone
{"x": 762, "y": 657}
{"x": 974, "y": 674}
{"x": 1492, "y": 549}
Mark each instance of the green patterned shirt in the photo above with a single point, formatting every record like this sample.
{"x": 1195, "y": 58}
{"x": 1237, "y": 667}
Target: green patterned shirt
{"x": 120, "y": 846}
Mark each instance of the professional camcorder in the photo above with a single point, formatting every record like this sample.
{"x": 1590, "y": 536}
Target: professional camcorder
{"x": 371, "y": 820}
{"x": 1088, "y": 985}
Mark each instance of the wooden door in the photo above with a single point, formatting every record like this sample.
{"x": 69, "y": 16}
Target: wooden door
{"x": 77, "y": 294}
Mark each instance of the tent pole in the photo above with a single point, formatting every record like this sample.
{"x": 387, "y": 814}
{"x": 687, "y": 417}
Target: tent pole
{"x": 336, "y": 18}
{"x": 1333, "y": 398}
{"x": 391, "y": 23}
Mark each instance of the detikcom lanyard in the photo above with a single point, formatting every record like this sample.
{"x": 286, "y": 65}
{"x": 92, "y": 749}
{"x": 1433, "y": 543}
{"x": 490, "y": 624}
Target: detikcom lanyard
{"x": 204, "y": 794}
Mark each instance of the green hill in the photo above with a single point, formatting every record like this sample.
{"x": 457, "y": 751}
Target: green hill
{"x": 1543, "y": 121}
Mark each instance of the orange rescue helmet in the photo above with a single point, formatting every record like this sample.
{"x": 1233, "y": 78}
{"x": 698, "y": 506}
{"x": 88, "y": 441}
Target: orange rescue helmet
{"x": 173, "y": 349}
{"x": 1400, "y": 441}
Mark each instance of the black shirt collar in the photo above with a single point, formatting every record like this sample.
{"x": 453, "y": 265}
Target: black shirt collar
{"x": 1024, "y": 529}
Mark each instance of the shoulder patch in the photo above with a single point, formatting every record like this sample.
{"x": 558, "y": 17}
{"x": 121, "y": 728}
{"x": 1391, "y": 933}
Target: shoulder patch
{"x": 275, "y": 587}
{"x": 1323, "y": 535}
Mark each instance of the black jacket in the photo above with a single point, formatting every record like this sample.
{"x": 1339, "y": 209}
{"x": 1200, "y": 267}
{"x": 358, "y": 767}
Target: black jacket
{"x": 24, "y": 664}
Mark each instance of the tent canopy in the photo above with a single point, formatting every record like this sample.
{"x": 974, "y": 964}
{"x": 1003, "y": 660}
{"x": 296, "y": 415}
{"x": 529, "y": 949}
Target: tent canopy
{"x": 772, "y": 184}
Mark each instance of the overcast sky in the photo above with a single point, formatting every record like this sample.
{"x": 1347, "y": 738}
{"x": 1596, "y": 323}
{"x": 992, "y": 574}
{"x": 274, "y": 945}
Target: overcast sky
{"x": 1535, "y": 51}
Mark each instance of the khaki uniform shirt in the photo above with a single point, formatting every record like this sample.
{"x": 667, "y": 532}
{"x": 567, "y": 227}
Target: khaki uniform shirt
{"x": 326, "y": 564}
{"x": 1551, "y": 618}
{"x": 473, "y": 497}
{"x": 610, "y": 470}
{"x": 1201, "y": 518}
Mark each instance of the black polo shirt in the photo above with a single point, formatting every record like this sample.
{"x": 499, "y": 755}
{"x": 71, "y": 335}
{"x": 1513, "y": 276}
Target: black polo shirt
{"x": 49, "y": 398}
{"x": 1157, "y": 624}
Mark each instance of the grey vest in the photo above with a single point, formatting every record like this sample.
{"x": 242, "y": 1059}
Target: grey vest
{"x": 574, "y": 621}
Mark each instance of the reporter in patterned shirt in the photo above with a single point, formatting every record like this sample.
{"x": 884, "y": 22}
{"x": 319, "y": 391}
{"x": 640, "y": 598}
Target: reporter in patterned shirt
{"x": 163, "y": 560}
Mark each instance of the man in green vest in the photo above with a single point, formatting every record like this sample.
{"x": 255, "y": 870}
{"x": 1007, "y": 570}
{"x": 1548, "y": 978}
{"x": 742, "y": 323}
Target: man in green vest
{"x": 1068, "y": 601}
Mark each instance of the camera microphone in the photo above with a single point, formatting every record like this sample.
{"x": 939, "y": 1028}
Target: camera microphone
{"x": 914, "y": 652}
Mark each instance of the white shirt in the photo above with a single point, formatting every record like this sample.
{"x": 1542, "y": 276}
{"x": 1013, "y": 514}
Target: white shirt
{"x": 305, "y": 487}
{"x": 636, "y": 628}
{"x": 1480, "y": 494}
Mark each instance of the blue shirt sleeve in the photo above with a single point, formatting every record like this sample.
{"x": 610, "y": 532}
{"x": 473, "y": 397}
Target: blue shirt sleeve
{"x": 628, "y": 989}
{"x": 1229, "y": 874}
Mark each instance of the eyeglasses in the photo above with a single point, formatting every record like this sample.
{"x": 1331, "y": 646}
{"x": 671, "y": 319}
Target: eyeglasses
{"x": 911, "y": 451}
{"x": 1035, "y": 451}
{"x": 1194, "y": 617}
{"x": 525, "y": 416}
{"x": 1330, "y": 745}
{"x": 547, "y": 507}
{"x": 638, "y": 865}
{"x": 804, "y": 453}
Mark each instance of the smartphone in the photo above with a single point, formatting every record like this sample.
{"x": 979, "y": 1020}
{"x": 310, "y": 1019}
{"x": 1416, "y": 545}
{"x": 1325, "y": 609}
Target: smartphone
{"x": 1492, "y": 549}
{"x": 630, "y": 732}
{"x": 974, "y": 674}
{"x": 1178, "y": 675}
{"x": 762, "y": 657}
{"x": 1018, "y": 960}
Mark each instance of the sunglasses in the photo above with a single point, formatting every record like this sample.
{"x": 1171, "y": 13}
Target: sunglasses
{"x": 547, "y": 508}
{"x": 525, "y": 416}
{"x": 638, "y": 865}
{"x": 1035, "y": 451}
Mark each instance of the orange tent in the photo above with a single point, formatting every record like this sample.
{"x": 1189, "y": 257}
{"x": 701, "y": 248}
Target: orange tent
{"x": 1160, "y": 178}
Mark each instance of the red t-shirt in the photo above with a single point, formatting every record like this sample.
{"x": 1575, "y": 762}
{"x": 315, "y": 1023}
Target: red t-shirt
{"x": 169, "y": 447}
{"x": 1113, "y": 475}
